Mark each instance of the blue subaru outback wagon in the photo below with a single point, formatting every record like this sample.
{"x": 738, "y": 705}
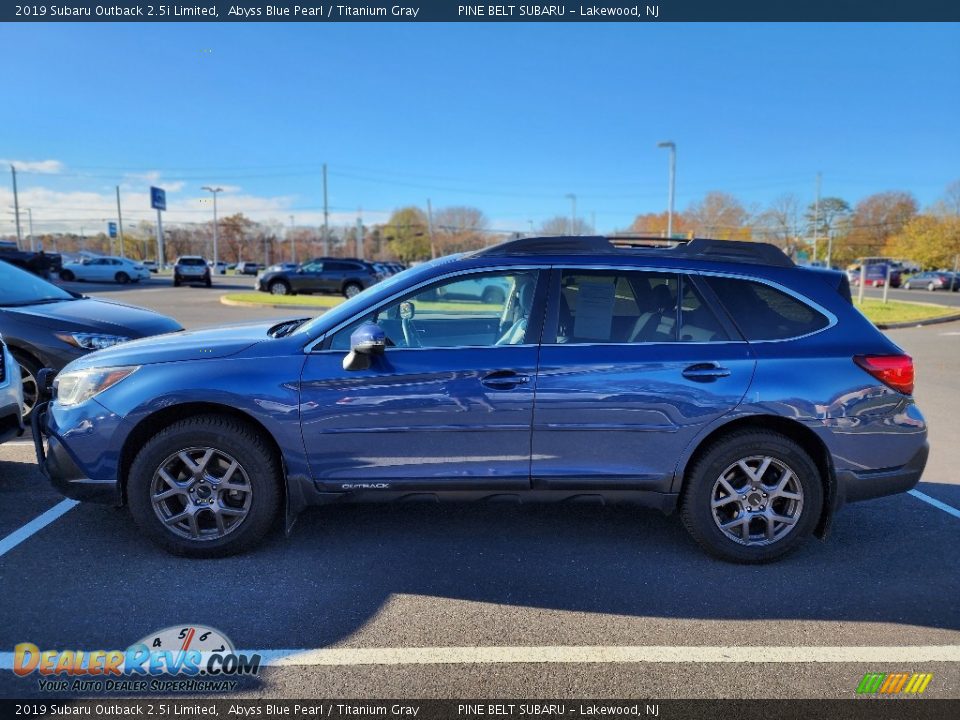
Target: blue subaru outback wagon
{"x": 712, "y": 378}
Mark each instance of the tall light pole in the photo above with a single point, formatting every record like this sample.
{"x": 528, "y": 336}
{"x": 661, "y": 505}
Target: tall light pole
{"x": 573, "y": 213}
{"x": 673, "y": 181}
{"x": 216, "y": 251}
{"x": 16, "y": 204}
{"x": 120, "y": 220}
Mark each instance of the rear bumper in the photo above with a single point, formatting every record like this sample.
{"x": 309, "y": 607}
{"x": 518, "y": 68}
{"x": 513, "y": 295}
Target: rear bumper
{"x": 62, "y": 470}
{"x": 865, "y": 485}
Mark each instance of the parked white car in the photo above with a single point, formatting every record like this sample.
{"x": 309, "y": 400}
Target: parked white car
{"x": 105, "y": 269}
{"x": 11, "y": 396}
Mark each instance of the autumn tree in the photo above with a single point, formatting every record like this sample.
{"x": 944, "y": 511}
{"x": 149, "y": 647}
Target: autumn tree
{"x": 876, "y": 219}
{"x": 560, "y": 225}
{"x": 459, "y": 228}
{"x": 407, "y": 234}
{"x": 657, "y": 224}
{"x": 778, "y": 223}
{"x": 931, "y": 240}
{"x": 720, "y": 216}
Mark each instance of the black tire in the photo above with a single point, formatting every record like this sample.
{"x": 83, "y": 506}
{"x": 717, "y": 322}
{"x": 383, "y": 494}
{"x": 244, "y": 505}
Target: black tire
{"x": 176, "y": 281}
{"x": 28, "y": 379}
{"x": 226, "y": 435}
{"x": 208, "y": 282}
{"x": 122, "y": 278}
{"x": 704, "y": 476}
{"x": 493, "y": 296}
{"x": 67, "y": 275}
{"x": 351, "y": 289}
{"x": 280, "y": 287}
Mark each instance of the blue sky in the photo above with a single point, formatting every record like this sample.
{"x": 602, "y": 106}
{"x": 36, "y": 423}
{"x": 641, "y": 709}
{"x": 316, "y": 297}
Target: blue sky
{"x": 507, "y": 117}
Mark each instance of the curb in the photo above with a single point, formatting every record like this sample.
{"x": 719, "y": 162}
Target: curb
{"x": 241, "y": 303}
{"x": 919, "y": 323}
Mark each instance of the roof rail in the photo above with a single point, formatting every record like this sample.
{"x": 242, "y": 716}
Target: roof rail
{"x": 755, "y": 253}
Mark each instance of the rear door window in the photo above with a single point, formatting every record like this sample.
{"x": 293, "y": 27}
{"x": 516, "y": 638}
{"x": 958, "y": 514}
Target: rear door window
{"x": 762, "y": 312}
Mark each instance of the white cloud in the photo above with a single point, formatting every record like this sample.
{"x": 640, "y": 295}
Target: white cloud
{"x": 41, "y": 167}
{"x": 69, "y": 211}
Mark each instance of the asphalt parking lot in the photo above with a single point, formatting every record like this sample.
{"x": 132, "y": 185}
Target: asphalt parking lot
{"x": 546, "y": 592}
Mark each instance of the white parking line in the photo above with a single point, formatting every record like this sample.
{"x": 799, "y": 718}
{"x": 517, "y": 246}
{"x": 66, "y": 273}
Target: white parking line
{"x": 36, "y": 525}
{"x": 596, "y": 655}
{"x": 949, "y": 509}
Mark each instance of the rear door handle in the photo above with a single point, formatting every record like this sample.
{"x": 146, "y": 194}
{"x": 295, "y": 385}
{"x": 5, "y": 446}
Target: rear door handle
{"x": 504, "y": 379}
{"x": 705, "y": 372}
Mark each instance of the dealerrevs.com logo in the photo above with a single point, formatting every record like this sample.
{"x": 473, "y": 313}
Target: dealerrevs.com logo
{"x": 177, "y": 658}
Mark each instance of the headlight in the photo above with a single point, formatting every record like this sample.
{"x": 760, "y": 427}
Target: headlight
{"x": 91, "y": 341}
{"x": 73, "y": 388}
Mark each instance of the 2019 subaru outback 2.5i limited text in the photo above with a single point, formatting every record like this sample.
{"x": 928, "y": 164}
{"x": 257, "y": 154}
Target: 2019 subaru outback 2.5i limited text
{"x": 713, "y": 378}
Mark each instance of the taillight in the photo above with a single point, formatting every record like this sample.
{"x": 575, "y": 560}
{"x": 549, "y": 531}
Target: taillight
{"x": 894, "y": 371}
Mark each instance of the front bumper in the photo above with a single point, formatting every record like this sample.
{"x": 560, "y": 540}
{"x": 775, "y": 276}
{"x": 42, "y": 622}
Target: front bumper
{"x": 62, "y": 470}
{"x": 853, "y": 486}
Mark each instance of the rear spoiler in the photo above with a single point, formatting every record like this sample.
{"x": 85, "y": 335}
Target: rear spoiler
{"x": 837, "y": 279}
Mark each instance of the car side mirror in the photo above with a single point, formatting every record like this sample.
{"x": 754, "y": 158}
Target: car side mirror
{"x": 367, "y": 340}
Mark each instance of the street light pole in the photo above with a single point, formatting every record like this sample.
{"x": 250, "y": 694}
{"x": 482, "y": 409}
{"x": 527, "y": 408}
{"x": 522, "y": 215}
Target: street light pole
{"x": 216, "y": 251}
{"x": 573, "y": 213}
{"x": 673, "y": 181}
{"x": 293, "y": 243}
{"x": 16, "y": 203}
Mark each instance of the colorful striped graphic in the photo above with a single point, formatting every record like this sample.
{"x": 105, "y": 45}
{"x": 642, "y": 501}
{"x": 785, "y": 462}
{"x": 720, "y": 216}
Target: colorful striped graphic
{"x": 894, "y": 683}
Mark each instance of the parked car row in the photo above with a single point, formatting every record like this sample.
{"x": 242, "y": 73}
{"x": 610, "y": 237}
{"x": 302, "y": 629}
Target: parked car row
{"x": 105, "y": 269}
{"x": 340, "y": 276}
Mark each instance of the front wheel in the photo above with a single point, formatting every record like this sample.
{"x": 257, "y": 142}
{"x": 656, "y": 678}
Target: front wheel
{"x": 931, "y": 287}
{"x": 207, "y": 486}
{"x": 28, "y": 381}
{"x": 752, "y": 497}
{"x": 67, "y": 275}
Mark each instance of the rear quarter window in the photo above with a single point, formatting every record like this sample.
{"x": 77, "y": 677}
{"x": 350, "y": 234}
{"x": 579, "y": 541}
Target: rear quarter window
{"x": 762, "y": 312}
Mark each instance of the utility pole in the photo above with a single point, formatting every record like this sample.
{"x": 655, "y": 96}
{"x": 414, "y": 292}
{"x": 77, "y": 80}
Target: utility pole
{"x": 16, "y": 203}
{"x": 816, "y": 220}
{"x": 120, "y": 221}
{"x": 433, "y": 247}
{"x": 672, "y": 146}
{"x": 573, "y": 213}
{"x": 359, "y": 248}
{"x": 326, "y": 215}
{"x": 216, "y": 251}
{"x": 593, "y": 222}
{"x": 30, "y": 217}
{"x": 293, "y": 243}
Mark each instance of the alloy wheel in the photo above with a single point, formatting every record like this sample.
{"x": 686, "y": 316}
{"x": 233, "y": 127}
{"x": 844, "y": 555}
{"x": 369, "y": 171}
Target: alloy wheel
{"x": 201, "y": 493}
{"x": 30, "y": 390}
{"x": 757, "y": 500}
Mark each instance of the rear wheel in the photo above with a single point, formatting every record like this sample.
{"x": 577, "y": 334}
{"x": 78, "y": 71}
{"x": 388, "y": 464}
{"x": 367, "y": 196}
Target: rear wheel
{"x": 67, "y": 275}
{"x": 206, "y": 486}
{"x": 352, "y": 290}
{"x": 752, "y": 497}
{"x": 208, "y": 282}
{"x": 279, "y": 287}
{"x": 122, "y": 278}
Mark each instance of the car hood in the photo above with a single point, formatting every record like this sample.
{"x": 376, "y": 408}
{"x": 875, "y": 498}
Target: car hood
{"x": 177, "y": 347}
{"x": 94, "y": 315}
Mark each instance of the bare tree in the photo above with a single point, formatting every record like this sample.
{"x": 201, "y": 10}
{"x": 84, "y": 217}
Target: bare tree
{"x": 560, "y": 225}
{"x": 778, "y": 223}
{"x": 459, "y": 228}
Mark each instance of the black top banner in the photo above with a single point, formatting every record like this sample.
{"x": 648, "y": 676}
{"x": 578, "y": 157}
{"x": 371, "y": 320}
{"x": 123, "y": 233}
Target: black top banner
{"x": 624, "y": 11}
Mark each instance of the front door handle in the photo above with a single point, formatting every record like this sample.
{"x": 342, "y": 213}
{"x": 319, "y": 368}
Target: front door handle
{"x": 504, "y": 379}
{"x": 705, "y": 372}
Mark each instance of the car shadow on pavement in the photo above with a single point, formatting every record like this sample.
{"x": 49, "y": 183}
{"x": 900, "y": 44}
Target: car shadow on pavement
{"x": 91, "y": 580}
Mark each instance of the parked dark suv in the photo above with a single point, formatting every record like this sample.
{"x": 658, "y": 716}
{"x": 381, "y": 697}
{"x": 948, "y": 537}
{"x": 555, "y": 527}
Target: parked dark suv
{"x": 340, "y": 276}
{"x": 713, "y": 378}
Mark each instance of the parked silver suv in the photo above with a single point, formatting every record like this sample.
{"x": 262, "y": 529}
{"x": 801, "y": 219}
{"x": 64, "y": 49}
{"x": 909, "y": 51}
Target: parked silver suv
{"x": 191, "y": 269}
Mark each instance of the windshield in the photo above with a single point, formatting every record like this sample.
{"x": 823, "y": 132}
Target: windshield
{"x": 18, "y": 287}
{"x": 383, "y": 289}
